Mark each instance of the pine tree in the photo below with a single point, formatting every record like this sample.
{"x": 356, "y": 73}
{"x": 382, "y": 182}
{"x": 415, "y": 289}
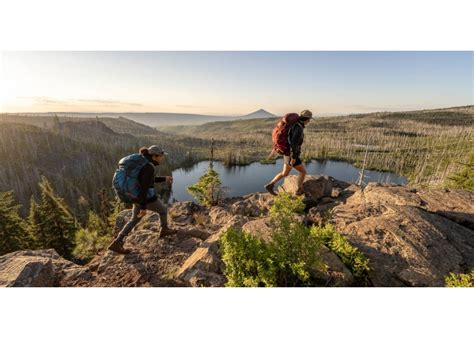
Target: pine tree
{"x": 34, "y": 218}
{"x": 93, "y": 238}
{"x": 105, "y": 207}
{"x": 83, "y": 207}
{"x": 208, "y": 189}
{"x": 13, "y": 233}
{"x": 52, "y": 223}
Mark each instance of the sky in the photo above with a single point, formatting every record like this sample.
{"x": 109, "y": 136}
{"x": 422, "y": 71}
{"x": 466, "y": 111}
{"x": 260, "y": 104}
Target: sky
{"x": 234, "y": 83}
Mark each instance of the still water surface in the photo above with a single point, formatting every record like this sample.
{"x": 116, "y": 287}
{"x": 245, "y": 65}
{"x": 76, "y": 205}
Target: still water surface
{"x": 241, "y": 180}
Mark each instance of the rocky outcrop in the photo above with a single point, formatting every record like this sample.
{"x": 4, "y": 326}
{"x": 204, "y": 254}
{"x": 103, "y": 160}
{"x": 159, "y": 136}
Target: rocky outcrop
{"x": 336, "y": 274}
{"x": 187, "y": 213}
{"x": 406, "y": 242}
{"x": 456, "y": 205}
{"x": 253, "y": 205}
{"x": 260, "y": 228}
{"x": 411, "y": 238}
{"x": 35, "y": 268}
{"x": 205, "y": 267}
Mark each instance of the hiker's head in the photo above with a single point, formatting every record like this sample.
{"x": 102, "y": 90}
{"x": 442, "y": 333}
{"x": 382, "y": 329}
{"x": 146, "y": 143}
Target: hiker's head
{"x": 306, "y": 116}
{"x": 153, "y": 153}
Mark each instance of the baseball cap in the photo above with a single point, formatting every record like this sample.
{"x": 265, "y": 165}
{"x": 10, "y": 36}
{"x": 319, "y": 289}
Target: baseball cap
{"x": 307, "y": 114}
{"x": 155, "y": 150}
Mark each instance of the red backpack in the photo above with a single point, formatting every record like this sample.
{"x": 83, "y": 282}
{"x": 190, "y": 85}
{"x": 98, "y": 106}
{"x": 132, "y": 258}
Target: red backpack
{"x": 280, "y": 133}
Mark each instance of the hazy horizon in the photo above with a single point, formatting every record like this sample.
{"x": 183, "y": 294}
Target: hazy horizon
{"x": 321, "y": 114}
{"x": 233, "y": 83}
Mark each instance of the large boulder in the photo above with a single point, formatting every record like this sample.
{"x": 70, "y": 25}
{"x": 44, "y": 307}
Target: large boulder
{"x": 184, "y": 213}
{"x": 383, "y": 194}
{"x": 406, "y": 244}
{"x": 336, "y": 273}
{"x": 253, "y": 205}
{"x": 455, "y": 204}
{"x": 260, "y": 227}
{"x": 34, "y": 268}
{"x": 221, "y": 217}
{"x": 205, "y": 267}
{"x": 315, "y": 186}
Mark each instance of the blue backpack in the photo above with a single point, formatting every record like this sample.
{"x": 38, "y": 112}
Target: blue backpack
{"x": 125, "y": 182}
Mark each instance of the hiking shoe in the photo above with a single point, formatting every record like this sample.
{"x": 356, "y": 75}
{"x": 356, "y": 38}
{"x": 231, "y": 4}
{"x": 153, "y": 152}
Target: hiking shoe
{"x": 299, "y": 192}
{"x": 269, "y": 188}
{"x": 117, "y": 247}
{"x": 166, "y": 232}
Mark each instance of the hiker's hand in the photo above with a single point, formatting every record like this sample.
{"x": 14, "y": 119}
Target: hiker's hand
{"x": 142, "y": 213}
{"x": 169, "y": 179}
{"x": 292, "y": 162}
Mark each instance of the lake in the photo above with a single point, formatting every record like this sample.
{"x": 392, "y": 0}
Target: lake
{"x": 241, "y": 180}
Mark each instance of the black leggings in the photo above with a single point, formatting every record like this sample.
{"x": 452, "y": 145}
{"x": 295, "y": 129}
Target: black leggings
{"x": 156, "y": 206}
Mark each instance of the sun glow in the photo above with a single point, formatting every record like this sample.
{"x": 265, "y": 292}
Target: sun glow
{"x": 7, "y": 96}
{"x": 2, "y": 89}
{"x": 7, "y": 92}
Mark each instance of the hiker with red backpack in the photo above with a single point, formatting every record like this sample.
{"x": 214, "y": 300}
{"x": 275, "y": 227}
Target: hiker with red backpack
{"x": 133, "y": 182}
{"x": 287, "y": 139}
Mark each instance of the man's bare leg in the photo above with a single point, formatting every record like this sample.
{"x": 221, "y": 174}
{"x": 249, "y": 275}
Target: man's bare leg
{"x": 301, "y": 177}
{"x": 286, "y": 170}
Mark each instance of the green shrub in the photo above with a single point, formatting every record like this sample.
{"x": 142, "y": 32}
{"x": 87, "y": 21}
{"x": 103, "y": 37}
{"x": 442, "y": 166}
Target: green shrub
{"x": 289, "y": 258}
{"x": 93, "y": 238}
{"x": 459, "y": 280}
{"x": 207, "y": 190}
{"x": 247, "y": 260}
{"x": 286, "y": 206}
{"x": 355, "y": 260}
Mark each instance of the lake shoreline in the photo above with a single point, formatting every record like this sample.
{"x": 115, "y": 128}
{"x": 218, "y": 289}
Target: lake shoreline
{"x": 334, "y": 159}
{"x": 251, "y": 178}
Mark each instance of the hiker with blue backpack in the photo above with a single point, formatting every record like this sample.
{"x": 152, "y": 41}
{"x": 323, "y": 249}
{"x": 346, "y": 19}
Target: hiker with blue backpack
{"x": 287, "y": 139}
{"x": 134, "y": 182}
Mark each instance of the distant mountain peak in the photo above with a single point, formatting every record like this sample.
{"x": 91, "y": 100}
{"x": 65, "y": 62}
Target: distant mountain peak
{"x": 261, "y": 113}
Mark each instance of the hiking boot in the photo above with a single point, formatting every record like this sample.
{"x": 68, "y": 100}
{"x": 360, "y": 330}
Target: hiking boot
{"x": 166, "y": 232}
{"x": 117, "y": 247}
{"x": 299, "y": 192}
{"x": 269, "y": 188}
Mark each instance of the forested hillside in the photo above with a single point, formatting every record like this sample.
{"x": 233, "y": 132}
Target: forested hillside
{"x": 426, "y": 146}
{"x": 78, "y": 156}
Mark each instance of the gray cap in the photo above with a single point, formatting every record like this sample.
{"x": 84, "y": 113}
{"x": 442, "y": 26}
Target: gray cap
{"x": 306, "y": 113}
{"x": 155, "y": 150}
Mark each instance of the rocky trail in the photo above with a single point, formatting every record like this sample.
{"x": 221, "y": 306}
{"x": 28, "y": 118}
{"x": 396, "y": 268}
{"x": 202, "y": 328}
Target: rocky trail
{"x": 411, "y": 238}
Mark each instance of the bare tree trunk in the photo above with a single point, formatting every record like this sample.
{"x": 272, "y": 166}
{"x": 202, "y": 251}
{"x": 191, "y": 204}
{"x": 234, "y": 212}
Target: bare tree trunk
{"x": 361, "y": 177}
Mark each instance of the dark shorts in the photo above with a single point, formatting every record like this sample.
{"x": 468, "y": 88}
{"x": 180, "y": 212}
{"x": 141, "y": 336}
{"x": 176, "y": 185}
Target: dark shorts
{"x": 286, "y": 160}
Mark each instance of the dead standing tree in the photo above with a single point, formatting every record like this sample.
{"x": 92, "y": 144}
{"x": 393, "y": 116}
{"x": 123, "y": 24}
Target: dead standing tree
{"x": 361, "y": 177}
{"x": 211, "y": 156}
